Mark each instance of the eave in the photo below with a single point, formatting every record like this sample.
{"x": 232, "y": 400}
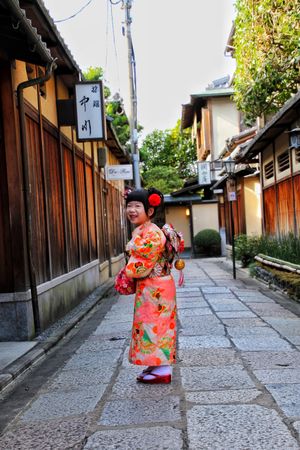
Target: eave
{"x": 280, "y": 122}
{"x": 19, "y": 38}
{"x": 199, "y": 100}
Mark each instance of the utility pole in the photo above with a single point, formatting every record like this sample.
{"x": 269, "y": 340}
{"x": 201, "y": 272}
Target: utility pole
{"x": 133, "y": 97}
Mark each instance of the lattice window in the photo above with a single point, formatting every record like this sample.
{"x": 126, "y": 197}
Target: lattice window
{"x": 283, "y": 161}
{"x": 269, "y": 170}
{"x": 297, "y": 155}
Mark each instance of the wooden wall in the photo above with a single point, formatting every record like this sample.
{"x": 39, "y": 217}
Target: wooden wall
{"x": 281, "y": 203}
{"x": 70, "y": 220}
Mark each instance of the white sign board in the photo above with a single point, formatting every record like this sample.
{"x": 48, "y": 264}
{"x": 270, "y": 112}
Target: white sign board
{"x": 204, "y": 173}
{"x": 119, "y": 172}
{"x": 90, "y": 116}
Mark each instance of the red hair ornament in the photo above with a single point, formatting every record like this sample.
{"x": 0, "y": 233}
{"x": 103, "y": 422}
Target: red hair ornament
{"x": 154, "y": 200}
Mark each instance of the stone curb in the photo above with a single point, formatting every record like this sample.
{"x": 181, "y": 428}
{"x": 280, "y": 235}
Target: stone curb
{"x": 11, "y": 372}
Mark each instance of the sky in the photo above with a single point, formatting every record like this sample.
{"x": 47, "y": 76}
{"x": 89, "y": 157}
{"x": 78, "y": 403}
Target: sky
{"x": 179, "y": 49}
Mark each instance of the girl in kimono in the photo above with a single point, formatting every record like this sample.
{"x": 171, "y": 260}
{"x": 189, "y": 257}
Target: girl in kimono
{"x": 153, "y": 341}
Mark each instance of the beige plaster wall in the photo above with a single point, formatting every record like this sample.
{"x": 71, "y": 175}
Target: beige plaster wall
{"x": 225, "y": 123}
{"x": 205, "y": 216}
{"x": 48, "y": 103}
{"x": 252, "y": 192}
{"x": 176, "y": 215}
{"x": 19, "y": 75}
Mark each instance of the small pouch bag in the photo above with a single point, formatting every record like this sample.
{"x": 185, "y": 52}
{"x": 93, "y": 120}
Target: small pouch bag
{"x": 123, "y": 284}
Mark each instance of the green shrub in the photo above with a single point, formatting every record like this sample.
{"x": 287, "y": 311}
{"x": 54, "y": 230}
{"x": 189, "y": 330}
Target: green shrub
{"x": 208, "y": 241}
{"x": 285, "y": 247}
{"x": 246, "y": 247}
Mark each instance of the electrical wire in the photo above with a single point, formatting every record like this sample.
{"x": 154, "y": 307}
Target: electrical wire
{"x": 115, "y": 3}
{"x": 75, "y": 14}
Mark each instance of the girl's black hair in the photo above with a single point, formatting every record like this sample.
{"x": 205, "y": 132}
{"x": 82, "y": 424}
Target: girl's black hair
{"x": 142, "y": 195}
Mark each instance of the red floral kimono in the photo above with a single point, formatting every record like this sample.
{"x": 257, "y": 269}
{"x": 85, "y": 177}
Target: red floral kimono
{"x": 153, "y": 340}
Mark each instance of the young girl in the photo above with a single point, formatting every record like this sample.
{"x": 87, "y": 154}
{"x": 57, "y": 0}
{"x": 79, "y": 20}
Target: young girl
{"x": 153, "y": 342}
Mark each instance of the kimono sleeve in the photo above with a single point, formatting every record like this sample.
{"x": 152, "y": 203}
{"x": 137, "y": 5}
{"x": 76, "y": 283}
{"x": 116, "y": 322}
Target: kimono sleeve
{"x": 144, "y": 253}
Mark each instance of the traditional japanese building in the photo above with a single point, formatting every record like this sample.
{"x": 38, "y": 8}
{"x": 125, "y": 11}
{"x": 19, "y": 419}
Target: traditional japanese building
{"x": 279, "y": 158}
{"x": 62, "y": 226}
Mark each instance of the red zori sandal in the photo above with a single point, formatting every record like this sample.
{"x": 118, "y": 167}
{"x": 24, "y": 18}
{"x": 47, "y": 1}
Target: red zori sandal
{"x": 165, "y": 379}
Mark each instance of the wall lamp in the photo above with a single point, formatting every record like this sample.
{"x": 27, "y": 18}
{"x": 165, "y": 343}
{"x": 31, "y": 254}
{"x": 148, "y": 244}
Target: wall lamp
{"x": 229, "y": 166}
{"x": 295, "y": 138}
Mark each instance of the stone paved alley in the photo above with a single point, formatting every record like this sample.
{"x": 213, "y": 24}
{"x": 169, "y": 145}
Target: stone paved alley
{"x": 237, "y": 384}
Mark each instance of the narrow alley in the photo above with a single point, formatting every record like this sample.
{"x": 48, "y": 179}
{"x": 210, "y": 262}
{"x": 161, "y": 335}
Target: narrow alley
{"x": 236, "y": 385}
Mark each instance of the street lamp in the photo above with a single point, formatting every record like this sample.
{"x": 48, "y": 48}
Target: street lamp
{"x": 229, "y": 166}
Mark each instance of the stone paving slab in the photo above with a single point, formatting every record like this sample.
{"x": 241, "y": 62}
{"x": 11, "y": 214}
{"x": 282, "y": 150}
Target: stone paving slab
{"x": 183, "y": 313}
{"x": 93, "y": 360}
{"x": 276, "y": 376}
{"x": 106, "y": 327}
{"x": 229, "y": 307}
{"x": 223, "y": 397}
{"x": 199, "y": 312}
{"x": 272, "y": 360}
{"x": 134, "y": 412}
{"x": 215, "y": 290}
{"x": 97, "y": 344}
{"x": 203, "y": 342}
{"x": 58, "y": 435}
{"x": 197, "y": 330}
{"x": 285, "y": 326}
{"x": 287, "y": 396}
{"x": 235, "y": 314}
{"x": 275, "y": 310}
{"x": 191, "y": 304}
{"x": 244, "y": 322}
{"x": 296, "y": 425}
{"x": 226, "y": 296}
{"x": 154, "y": 438}
{"x": 207, "y": 322}
{"x": 124, "y": 317}
{"x": 197, "y": 379}
{"x": 53, "y": 405}
{"x": 258, "y": 299}
{"x": 239, "y": 427}
{"x": 254, "y": 331}
{"x": 73, "y": 379}
{"x": 261, "y": 343}
{"x": 208, "y": 357}
{"x": 247, "y": 292}
{"x": 293, "y": 339}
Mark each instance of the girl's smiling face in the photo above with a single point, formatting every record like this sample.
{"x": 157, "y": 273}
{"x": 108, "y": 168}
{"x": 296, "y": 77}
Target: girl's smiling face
{"x": 136, "y": 213}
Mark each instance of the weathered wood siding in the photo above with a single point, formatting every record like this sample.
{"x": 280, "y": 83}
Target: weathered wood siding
{"x": 282, "y": 207}
{"x": 285, "y": 207}
{"x": 69, "y": 221}
{"x": 269, "y": 197}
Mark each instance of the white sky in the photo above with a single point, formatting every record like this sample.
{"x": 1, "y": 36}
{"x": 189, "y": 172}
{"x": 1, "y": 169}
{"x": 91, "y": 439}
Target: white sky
{"x": 179, "y": 48}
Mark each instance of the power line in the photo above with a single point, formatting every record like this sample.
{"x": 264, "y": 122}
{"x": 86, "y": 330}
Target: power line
{"x": 75, "y": 14}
